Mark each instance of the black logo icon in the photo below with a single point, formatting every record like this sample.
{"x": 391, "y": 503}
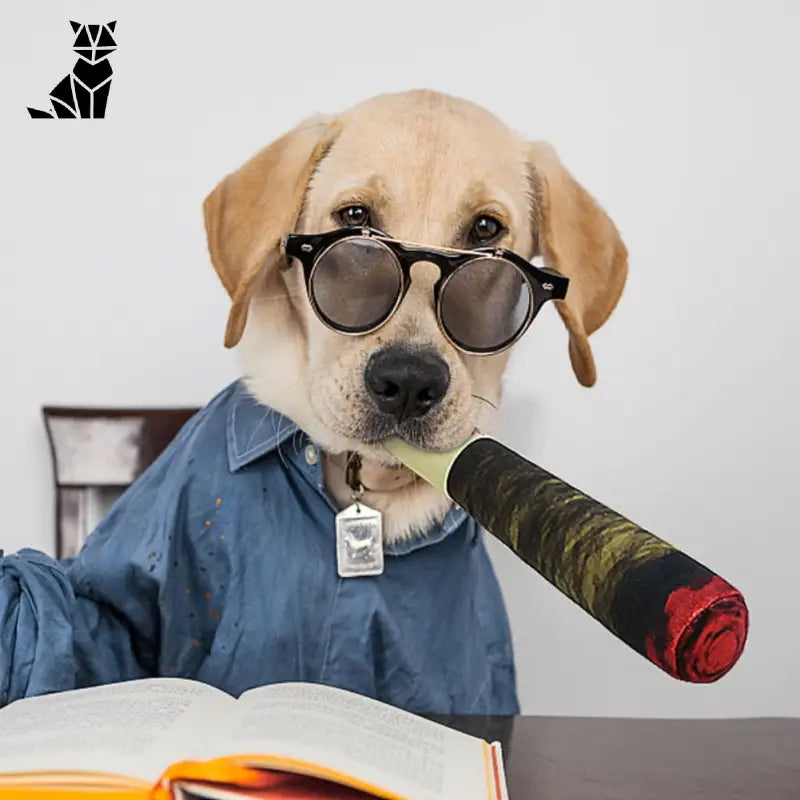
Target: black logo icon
{"x": 84, "y": 92}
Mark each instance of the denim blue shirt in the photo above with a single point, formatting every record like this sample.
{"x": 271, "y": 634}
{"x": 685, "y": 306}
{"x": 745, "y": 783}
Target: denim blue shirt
{"x": 219, "y": 564}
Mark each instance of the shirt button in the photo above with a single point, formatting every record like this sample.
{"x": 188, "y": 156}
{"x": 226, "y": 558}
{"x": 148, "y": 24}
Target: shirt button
{"x": 311, "y": 455}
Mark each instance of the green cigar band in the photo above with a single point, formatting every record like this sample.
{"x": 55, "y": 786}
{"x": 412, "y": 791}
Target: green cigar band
{"x": 433, "y": 467}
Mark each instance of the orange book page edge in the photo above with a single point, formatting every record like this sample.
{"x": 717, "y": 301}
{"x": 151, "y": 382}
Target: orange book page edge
{"x": 487, "y": 770}
{"x": 34, "y": 792}
{"x": 499, "y": 772}
{"x": 69, "y": 781}
{"x": 242, "y": 771}
{"x": 65, "y": 779}
{"x": 245, "y": 771}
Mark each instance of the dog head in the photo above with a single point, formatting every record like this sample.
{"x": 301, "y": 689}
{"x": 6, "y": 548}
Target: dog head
{"x": 423, "y": 167}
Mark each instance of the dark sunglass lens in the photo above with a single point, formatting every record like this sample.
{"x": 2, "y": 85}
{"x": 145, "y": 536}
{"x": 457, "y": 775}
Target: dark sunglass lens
{"x": 355, "y": 283}
{"x": 485, "y": 304}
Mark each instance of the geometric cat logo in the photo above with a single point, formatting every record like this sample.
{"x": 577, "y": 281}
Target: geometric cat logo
{"x": 84, "y": 92}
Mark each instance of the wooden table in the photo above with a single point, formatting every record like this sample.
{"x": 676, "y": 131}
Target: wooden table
{"x": 625, "y": 759}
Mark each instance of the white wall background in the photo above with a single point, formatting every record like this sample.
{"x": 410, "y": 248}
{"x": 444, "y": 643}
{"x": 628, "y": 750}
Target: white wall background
{"x": 680, "y": 117}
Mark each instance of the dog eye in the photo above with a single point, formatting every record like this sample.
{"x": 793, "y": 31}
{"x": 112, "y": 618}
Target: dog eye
{"x": 356, "y": 216}
{"x": 485, "y": 229}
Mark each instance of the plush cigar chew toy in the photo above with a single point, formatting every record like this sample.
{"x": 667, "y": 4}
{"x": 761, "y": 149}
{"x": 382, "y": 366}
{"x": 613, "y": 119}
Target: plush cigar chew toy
{"x": 669, "y": 608}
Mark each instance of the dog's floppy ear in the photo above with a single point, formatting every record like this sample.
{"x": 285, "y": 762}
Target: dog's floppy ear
{"x": 579, "y": 239}
{"x": 252, "y": 208}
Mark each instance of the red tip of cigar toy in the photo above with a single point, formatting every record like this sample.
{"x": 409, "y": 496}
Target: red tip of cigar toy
{"x": 704, "y": 632}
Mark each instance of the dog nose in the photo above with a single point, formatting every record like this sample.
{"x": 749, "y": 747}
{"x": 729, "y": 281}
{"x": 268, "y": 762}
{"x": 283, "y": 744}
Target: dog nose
{"x": 406, "y": 383}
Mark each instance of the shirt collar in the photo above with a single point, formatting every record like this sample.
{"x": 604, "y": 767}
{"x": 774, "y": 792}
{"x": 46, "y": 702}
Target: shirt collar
{"x": 254, "y": 430}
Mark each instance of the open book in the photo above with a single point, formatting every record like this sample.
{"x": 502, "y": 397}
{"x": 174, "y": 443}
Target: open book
{"x": 172, "y": 738}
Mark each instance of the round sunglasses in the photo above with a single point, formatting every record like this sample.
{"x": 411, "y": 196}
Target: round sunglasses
{"x": 485, "y": 299}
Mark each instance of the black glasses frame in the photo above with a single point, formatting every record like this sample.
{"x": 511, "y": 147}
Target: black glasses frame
{"x": 544, "y": 283}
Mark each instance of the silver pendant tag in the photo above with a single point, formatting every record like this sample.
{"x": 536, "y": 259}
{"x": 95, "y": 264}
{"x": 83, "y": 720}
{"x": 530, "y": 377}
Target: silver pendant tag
{"x": 359, "y": 541}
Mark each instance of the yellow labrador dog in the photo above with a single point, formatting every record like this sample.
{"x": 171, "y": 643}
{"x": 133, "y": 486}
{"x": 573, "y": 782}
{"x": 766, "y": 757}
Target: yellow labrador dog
{"x": 379, "y": 264}
{"x": 422, "y": 167}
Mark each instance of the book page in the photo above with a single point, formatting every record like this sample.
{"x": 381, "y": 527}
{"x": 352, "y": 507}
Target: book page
{"x": 137, "y": 728}
{"x": 378, "y": 744}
